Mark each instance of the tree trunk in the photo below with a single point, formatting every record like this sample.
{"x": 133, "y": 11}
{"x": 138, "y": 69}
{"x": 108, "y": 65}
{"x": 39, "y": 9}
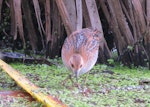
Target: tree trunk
{"x": 71, "y": 10}
{"x": 54, "y": 46}
{"x": 127, "y": 21}
{"x": 79, "y": 14}
{"x": 65, "y": 16}
{"x": 96, "y": 24}
{"x": 16, "y": 19}
{"x": 39, "y": 20}
{"x": 147, "y": 38}
{"x": 29, "y": 25}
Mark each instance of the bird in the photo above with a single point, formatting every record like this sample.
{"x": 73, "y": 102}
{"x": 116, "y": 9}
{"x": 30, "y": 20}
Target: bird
{"x": 80, "y": 51}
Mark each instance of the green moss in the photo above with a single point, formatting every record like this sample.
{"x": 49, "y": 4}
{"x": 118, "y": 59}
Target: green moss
{"x": 119, "y": 88}
{"x": 18, "y": 102}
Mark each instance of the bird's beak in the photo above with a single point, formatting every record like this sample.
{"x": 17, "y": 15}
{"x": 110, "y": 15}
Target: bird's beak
{"x": 77, "y": 74}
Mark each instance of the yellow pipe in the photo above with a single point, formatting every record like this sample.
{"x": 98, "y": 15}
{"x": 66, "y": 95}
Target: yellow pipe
{"x": 28, "y": 86}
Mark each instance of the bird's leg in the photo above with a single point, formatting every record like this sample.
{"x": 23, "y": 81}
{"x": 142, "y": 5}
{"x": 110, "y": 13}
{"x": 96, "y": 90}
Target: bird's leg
{"x": 71, "y": 79}
{"x": 66, "y": 79}
{"x": 76, "y": 84}
{"x": 85, "y": 80}
{"x": 85, "y": 90}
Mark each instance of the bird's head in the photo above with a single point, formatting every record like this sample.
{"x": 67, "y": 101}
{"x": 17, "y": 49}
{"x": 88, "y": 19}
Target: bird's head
{"x": 76, "y": 64}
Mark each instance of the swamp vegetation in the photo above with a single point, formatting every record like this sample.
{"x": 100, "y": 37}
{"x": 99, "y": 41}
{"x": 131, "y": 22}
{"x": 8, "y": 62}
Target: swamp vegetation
{"x": 106, "y": 86}
{"x": 40, "y": 26}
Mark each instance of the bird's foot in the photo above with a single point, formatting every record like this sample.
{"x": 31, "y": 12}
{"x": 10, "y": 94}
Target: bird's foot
{"x": 65, "y": 81}
{"x": 85, "y": 91}
{"x": 77, "y": 85}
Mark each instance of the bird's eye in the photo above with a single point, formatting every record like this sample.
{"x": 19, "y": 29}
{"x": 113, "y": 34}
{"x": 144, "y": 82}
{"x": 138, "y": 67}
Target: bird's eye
{"x": 72, "y": 65}
{"x": 80, "y": 66}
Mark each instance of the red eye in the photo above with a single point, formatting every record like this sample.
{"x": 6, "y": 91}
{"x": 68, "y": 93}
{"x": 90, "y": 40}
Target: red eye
{"x": 72, "y": 65}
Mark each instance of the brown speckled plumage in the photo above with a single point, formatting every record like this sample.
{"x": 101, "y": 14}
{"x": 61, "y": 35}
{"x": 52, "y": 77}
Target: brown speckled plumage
{"x": 80, "y": 51}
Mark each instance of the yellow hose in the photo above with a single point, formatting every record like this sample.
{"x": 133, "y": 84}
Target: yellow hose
{"x": 28, "y": 86}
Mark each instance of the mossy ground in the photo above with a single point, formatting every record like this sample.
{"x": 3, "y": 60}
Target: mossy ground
{"x": 106, "y": 86}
